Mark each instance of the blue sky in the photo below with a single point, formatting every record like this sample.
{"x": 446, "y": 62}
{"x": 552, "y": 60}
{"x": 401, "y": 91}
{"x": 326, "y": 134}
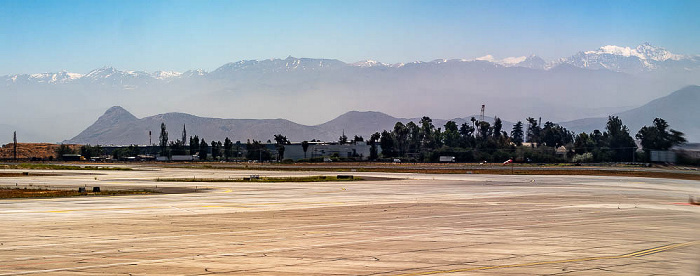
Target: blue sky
{"x": 78, "y": 36}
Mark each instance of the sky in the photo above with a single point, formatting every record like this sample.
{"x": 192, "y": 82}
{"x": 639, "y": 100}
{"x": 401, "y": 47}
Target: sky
{"x": 79, "y": 36}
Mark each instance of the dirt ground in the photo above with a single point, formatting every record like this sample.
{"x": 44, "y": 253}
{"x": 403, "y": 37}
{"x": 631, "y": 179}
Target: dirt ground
{"x": 31, "y": 150}
{"x": 413, "y": 224}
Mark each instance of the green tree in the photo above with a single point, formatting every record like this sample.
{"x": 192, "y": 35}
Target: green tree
{"x": 553, "y": 135}
{"x": 414, "y": 137}
{"x": 466, "y": 133}
{"x": 387, "y": 143}
{"x": 485, "y": 130}
{"x": 400, "y": 133}
{"x": 194, "y": 144}
{"x": 427, "y": 128}
{"x": 451, "y": 135}
{"x": 343, "y": 139}
{"x": 373, "y": 152}
{"x": 305, "y": 147}
{"x": 280, "y": 141}
{"x": 497, "y": 126}
{"x": 216, "y": 149}
{"x": 257, "y": 151}
{"x": 89, "y": 151}
{"x": 228, "y": 148}
{"x": 203, "y": 150}
{"x": 517, "y": 134}
{"x": 583, "y": 143}
{"x": 659, "y": 137}
{"x": 533, "y": 131}
{"x": 163, "y": 140}
{"x": 63, "y": 149}
{"x": 177, "y": 147}
{"x": 619, "y": 140}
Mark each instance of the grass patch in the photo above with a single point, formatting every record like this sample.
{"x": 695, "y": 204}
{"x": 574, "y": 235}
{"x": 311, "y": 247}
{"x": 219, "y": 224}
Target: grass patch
{"x": 36, "y": 166}
{"x": 6, "y": 193}
{"x": 318, "y": 178}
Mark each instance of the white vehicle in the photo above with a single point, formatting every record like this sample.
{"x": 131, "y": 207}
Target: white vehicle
{"x": 396, "y": 160}
{"x": 447, "y": 159}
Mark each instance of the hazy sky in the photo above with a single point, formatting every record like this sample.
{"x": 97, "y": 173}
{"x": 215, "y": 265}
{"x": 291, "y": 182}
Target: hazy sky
{"x": 78, "y": 36}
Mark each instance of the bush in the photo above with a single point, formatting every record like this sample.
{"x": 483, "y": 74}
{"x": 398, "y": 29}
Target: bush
{"x": 582, "y": 158}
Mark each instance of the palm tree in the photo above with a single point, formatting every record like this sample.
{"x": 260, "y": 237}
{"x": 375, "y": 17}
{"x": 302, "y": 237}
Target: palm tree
{"x": 305, "y": 147}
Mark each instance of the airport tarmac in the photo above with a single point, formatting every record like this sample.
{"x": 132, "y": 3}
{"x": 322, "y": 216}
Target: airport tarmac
{"x": 412, "y": 224}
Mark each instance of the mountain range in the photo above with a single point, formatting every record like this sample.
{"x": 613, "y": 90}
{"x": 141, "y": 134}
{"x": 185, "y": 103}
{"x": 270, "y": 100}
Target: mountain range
{"x": 118, "y": 126}
{"x": 588, "y": 84}
{"x": 645, "y": 57}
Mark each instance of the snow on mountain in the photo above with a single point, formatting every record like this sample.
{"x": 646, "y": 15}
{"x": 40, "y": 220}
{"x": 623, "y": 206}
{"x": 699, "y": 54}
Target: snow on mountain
{"x": 369, "y": 63}
{"x": 165, "y": 75}
{"x": 617, "y": 51}
{"x": 645, "y": 57}
{"x": 657, "y": 53}
{"x": 488, "y": 58}
{"x": 194, "y": 73}
{"x": 512, "y": 61}
{"x": 277, "y": 65}
{"x": 60, "y": 77}
{"x": 532, "y": 61}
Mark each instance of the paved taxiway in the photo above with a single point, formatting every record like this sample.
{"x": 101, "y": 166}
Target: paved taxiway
{"x": 411, "y": 225}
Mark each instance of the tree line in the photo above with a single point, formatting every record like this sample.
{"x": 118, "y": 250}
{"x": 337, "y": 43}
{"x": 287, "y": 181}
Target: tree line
{"x": 480, "y": 141}
{"x": 471, "y": 141}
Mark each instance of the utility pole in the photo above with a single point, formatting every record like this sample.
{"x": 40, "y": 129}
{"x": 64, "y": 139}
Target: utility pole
{"x": 14, "y": 139}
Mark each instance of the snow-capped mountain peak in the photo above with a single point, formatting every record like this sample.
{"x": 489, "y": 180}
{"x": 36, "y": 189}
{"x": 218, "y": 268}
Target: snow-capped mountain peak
{"x": 617, "y": 51}
{"x": 645, "y": 57}
{"x": 194, "y": 73}
{"x": 656, "y": 53}
{"x": 103, "y": 72}
{"x": 532, "y": 61}
{"x": 164, "y": 75}
{"x": 369, "y": 63}
{"x": 488, "y": 58}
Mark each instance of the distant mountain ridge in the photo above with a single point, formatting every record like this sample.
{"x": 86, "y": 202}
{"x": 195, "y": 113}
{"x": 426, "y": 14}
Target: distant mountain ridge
{"x": 644, "y": 57}
{"x": 119, "y": 127}
{"x": 681, "y": 109}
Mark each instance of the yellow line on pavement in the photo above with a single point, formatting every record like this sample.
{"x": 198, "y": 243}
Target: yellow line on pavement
{"x": 629, "y": 255}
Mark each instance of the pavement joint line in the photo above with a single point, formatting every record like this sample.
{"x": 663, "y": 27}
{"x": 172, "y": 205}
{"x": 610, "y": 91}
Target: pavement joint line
{"x": 640, "y": 253}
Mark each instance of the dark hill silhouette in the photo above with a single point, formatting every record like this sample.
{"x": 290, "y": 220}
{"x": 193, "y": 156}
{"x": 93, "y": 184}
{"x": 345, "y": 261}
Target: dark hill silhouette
{"x": 119, "y": 127}
{"x": 681, "y": 109}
